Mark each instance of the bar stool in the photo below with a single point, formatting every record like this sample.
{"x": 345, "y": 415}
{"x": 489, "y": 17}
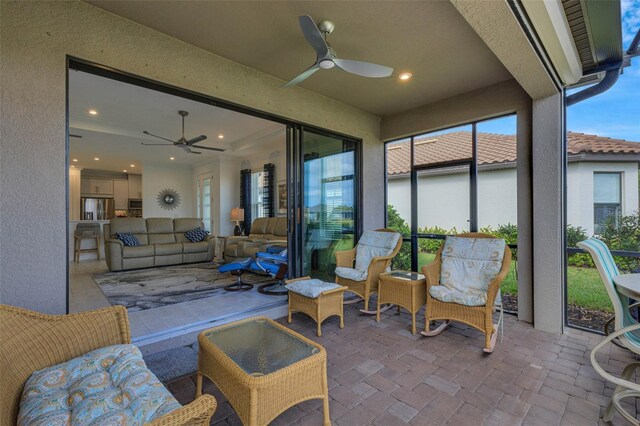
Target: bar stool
{"x": 84, "y": 231}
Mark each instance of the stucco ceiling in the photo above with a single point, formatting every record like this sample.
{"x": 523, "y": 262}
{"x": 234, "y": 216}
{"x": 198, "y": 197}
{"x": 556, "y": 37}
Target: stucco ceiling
{"x": 114, "y": 134}
{"x": 427, "y": 38}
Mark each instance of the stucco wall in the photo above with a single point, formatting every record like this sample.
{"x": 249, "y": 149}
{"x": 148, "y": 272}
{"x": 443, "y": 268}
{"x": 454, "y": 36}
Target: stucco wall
{"x": 443, "y": 200}
{"x": 35, "y": 38}
{"x": 580, "y": 211}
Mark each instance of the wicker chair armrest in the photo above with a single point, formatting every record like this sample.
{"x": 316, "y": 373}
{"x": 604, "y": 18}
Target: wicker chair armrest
{"x": 345, "y": 258}
{"x": 378, "y": 265}
{"x": 197, "y": 413}
{"x": 494, "y": 285}
{"x": 432, "y": 273}
{"x": 602, "y": 372}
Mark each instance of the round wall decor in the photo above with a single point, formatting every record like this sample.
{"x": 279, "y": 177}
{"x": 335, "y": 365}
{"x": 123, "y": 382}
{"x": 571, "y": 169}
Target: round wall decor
{"x": 168, "y": 199}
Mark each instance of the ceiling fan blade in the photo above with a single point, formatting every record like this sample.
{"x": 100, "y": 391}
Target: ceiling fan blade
{"x": 187, "y": 148}
{"x": 206, "y": 147}
{"x": 157, "y": 144}
{"x": 364, "y": 69}
{"x": 156, "y": 136}
{"x": 302, "y": 76}
{"x": 313, "y": 35}
{"x": 196, "y": 140}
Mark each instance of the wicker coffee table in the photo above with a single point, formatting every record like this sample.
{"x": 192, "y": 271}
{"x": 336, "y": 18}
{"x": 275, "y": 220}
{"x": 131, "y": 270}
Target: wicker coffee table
{"x": 403, "y": 288}
{"x": 263, "y": 368}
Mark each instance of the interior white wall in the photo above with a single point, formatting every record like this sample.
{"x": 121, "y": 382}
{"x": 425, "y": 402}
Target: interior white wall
{"x": 156, "y": 178}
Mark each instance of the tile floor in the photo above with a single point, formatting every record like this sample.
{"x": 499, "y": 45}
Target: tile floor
{"x": 380, "y": 374}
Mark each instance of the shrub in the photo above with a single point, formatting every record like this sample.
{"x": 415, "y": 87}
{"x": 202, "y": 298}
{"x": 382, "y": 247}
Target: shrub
{"x": 623, "y": 233}
{"x": 397, "y": 223}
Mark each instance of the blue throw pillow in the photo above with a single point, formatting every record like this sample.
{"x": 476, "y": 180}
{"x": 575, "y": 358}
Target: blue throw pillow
{"x": 196, "y": 235}
{"x": 128, "y": 239}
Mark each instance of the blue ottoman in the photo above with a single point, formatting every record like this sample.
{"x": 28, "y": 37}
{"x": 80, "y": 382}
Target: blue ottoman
{"x": 273, "y": 263}
{"x": 237, "y": 268}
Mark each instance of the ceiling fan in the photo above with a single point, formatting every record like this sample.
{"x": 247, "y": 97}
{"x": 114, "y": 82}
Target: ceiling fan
{"x": 183, "y": 142}
{"x": 327, "y": 58}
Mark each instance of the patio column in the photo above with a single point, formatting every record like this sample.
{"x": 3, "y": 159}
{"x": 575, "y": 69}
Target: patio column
{"x": 548, "y": 217}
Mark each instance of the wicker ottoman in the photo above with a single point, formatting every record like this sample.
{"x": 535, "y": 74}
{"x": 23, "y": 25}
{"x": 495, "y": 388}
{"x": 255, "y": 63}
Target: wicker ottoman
{"x": 316, "y": 298}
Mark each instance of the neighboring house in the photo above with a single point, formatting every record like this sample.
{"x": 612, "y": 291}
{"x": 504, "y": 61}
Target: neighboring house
{"x": 602, "y": 179}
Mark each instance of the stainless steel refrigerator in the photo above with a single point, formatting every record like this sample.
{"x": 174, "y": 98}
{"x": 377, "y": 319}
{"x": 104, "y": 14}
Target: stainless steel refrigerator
{"x": 97, "y": 208}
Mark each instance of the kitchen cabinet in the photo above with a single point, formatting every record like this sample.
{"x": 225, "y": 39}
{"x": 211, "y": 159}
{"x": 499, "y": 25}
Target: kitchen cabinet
{"x": 121, "y": 194}
{"x": 135, "y": 186}
{"x": 93, "y": 187}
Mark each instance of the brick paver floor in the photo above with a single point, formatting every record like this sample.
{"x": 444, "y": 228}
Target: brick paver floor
{"x": 380, "y": 374}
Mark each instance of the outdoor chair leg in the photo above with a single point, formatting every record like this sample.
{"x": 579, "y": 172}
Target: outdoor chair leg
{"x": 490, "y": 340}
{"x": 442, "y": 327}
{"x": 626, "y": 375}
{"x": 198, "y": 385}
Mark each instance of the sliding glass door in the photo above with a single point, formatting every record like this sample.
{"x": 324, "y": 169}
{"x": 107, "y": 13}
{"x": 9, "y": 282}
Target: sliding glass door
{"x": 325, "y": 200}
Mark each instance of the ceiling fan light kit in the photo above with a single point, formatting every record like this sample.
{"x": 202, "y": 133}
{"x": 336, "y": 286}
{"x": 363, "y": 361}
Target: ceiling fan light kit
{"x": 326, "y": 57}
{"x": 184, "y": 143}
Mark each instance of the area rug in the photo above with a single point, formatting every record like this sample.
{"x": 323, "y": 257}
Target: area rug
{"x": 150, "y": 288}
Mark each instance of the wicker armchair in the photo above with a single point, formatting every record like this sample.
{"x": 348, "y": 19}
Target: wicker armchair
{"x": 32, "y": 341}
{"x": 364, "y": 288}
{"x": 478, "y": 317}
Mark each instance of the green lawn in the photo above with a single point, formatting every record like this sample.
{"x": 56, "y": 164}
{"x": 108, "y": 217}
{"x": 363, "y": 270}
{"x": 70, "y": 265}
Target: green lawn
{"x": 585, "y": 288}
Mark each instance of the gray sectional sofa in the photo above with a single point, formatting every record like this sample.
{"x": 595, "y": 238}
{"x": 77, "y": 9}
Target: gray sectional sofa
{"x": 162, "y": 242}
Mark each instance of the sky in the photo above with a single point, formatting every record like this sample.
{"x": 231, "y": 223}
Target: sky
{"x": 614, "y": 113}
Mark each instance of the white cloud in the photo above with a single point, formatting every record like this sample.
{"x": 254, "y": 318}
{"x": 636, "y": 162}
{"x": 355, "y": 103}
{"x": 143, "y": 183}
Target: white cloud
{"x": 630, "y": 20}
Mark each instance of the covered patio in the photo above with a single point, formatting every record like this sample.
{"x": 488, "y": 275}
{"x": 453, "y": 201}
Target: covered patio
{"x": 381, "y": 374}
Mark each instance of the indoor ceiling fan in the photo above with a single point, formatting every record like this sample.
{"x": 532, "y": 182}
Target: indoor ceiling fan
{"x": 183, "y": 142}
{"x": 326, "y": 57}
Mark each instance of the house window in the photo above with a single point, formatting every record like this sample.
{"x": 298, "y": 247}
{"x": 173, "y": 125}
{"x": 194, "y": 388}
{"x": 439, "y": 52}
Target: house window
{"x": 606, "y": 199}
{"x": 257, "y": 191}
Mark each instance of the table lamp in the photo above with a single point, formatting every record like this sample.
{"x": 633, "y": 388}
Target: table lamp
{"x": 237, "y": 216}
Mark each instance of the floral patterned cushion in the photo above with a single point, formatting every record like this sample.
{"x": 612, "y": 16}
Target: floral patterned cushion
{"x": 107, "y": 386}
{"x": 470, "y": 264}
{"x": 373, "y": 244}
{"x": 351, "y": 274}
{"x": 311, "y": 288}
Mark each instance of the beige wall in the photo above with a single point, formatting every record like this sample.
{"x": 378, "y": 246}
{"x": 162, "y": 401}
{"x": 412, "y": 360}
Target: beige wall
{"x": 35, "y": 39}
{"x": 499, "y": 99}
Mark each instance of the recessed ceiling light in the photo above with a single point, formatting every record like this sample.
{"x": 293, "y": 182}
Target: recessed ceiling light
{"x": 125, "y": 170}
{"x": 75, "y": 160}
{"x": 220, "y": 136}
{"x": 132, "y": 165}
{"x": 171, "y": 158}
{"x": 93, "y": 112}
{"x": 96, "y": 158}
{"x": 405, "y": 76}
{"x": 73, "y": 166}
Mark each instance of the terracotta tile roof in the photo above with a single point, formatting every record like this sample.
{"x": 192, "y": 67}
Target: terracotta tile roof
{"x": 492, "y": 149}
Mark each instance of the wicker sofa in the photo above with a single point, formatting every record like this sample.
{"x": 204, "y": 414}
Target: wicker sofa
{"x": 32, "y": 341}
{"x": 162, "y": 242}
{"x": 265, "y": 232}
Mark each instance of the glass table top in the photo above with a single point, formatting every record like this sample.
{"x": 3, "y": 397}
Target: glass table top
{"x": 407, "y": 275}
{"x": 259, "y": 347}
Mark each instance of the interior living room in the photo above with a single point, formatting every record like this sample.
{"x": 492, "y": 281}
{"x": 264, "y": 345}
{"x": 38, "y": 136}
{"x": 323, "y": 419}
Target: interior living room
{"x": 306, "y": 100}
{"x": 118, "y": 170}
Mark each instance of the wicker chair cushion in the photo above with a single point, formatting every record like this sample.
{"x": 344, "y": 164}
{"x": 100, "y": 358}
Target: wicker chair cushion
{"x": 470, "y": 264}
{"x": 311, "y": 288}
{"x": 448, "y": 295}
{"x": 110, "y": 385}
{"x": 373, "y": 244}
{"x": 351, "y": 274}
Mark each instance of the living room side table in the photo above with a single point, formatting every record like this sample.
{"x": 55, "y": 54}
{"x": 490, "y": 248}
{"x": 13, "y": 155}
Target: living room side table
{"x": 263, "y": 368}
{"x": 406, "y": 289}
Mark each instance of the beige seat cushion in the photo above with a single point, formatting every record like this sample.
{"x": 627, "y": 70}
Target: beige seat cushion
{"x": 198, "y": 247}
{"x": 166, "y": 249}
{"x": 139, "y": 251}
